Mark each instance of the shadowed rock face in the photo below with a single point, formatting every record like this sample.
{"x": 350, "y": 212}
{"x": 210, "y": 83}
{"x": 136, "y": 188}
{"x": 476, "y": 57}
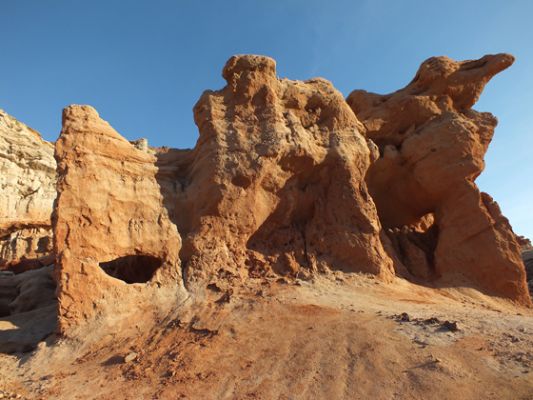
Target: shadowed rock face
{"x": 528, "y": 261}
{"x": 27, "y": 309}
{"x": 432, "y": 146}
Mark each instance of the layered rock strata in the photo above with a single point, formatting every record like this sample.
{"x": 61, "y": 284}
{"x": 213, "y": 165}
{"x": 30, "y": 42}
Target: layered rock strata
{"x": 27, "y": 185}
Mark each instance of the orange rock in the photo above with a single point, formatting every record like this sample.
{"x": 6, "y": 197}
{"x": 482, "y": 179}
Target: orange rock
{"x": 524, "y": 242}
{"x": 275, "y": 182}
{"x": 432, "y": 146}
{"x": 116, "y": 249}
{"x": 282, "y": 181}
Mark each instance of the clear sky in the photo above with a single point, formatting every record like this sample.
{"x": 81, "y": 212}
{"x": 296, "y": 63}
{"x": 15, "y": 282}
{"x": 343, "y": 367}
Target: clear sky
{"x": 144, "y": 64}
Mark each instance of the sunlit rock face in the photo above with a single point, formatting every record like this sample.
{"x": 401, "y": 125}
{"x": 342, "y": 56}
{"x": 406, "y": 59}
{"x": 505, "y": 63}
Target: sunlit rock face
{"x": 275, "y": 183}
{"x": 432, "y": 146}
{"x": 117, "y": 251}
{"x": 287, "y": 179}
{"x": 27, "y": 187}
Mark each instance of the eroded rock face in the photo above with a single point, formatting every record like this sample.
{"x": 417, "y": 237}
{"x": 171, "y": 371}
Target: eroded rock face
{"x": 524, "y": 243}
{"x": 432, "y": 146}
{"x": 117, "y": 251}
{"x": 275, "y": 182}
{"x": 283, "y": 181}
{"x": 27, "y": 184}
{"x": 527, "y": 256}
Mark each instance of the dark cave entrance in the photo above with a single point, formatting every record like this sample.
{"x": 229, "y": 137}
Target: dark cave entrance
{"x": 132, "y": 268}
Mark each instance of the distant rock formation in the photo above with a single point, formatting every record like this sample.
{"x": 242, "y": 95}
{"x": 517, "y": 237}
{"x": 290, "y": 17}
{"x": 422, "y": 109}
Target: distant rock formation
{"x": 528, "y": 262}
{"x": 432, "y": 146}
{"x": 527, "y": 256}
{"x": 27, "y": 184}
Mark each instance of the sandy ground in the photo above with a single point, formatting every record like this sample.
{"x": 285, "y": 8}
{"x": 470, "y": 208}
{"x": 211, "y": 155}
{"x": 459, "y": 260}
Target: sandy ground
{"x": 335, "y": 338}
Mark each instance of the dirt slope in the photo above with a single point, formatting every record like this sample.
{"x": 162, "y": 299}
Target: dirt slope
{"x": 329, "y": 339}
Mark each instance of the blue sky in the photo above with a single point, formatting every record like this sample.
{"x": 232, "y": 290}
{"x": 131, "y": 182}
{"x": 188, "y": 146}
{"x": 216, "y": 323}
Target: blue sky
{"x": 144, "y": 64}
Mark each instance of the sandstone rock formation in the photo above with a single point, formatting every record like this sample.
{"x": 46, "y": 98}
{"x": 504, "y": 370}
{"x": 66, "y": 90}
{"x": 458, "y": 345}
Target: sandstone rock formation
{"x": 27, "y": 184}
{"x": 275, "y": 182}
{"x": 117, "y": 251}
{"x": 26, "y": 291}
{"x": 432, "y": 146}
{"x": 527, "y": 256}
{"x": 284, "y": 180}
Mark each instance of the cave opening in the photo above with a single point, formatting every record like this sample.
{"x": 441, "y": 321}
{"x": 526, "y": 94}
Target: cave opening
{"x": 132, "y": 268}
{"x": 415, "y": 245}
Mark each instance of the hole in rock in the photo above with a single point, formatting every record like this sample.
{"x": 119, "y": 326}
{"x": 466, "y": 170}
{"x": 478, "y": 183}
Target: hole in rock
{"x": 133, "y": 268}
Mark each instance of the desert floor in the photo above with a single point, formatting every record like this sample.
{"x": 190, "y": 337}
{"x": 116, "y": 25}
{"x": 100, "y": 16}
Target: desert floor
{"x": 344, "y": 337}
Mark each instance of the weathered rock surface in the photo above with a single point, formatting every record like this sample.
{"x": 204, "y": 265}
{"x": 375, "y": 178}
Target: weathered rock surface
{"x": 524, "y": 243}
{"x": 27, "y": 308}
{"x": 432, "y": 146}
{"x": 527, "y": 256}
{"x": 27, "y": 184}
{"x": 275, "y": 182}
{"x": 117, "y": 251}
{"x": 284, "y": 180}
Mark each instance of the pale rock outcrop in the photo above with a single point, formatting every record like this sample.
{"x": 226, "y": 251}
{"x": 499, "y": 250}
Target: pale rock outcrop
{"x": 27, "y": 184}
{"x": 275, "y": 183}
{"x": 117, "y": 251}
{"x": 432, "y": 146}
{"x": 284, "y": 180}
